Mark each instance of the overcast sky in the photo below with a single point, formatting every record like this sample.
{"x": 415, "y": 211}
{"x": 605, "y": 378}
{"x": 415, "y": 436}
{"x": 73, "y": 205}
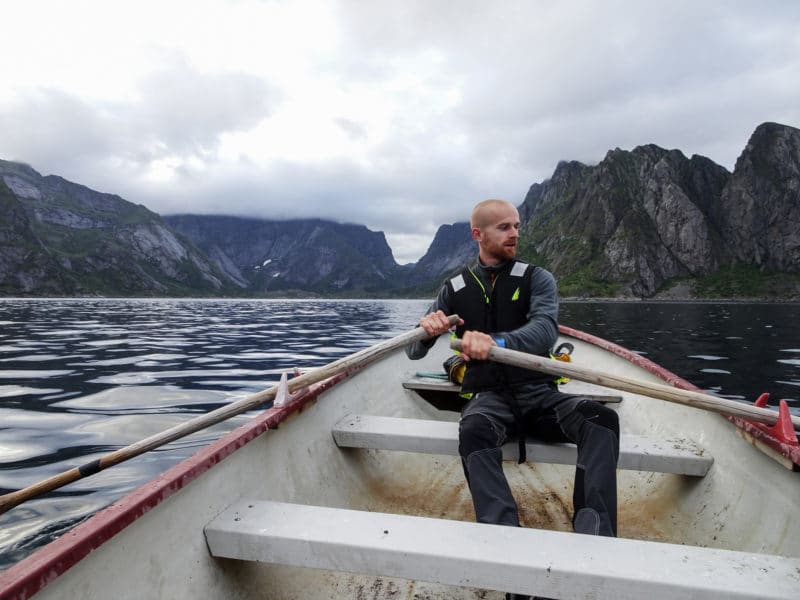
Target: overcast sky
{"x": 399, "y": 115}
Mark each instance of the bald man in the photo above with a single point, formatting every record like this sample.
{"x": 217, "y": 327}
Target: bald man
{"x": 508, "y": 303}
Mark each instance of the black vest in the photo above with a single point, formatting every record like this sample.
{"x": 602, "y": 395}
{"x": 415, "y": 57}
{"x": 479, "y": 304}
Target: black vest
{"x": 501, "y": 308}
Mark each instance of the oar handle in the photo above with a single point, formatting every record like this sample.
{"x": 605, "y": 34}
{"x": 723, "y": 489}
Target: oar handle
{"x": 654, "y": 390}
{"x": 351, "y": 362}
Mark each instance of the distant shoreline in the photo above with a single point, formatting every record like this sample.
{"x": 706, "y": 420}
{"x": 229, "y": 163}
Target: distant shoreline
{"x": 657, "y": 300}
{"x": 563, "y": 299}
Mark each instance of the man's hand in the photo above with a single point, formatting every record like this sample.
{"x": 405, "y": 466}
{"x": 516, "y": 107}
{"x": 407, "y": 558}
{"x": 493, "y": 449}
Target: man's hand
{"x": 436, "y": 323}
{"x": 475, "y": 344}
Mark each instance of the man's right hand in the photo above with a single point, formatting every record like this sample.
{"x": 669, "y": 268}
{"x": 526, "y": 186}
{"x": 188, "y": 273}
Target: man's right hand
{"x": 476, "y": 345}
{"x": 435, "y": 323}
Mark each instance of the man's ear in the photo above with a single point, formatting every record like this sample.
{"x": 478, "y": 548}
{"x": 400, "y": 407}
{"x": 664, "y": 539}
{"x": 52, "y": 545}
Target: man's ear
{"x": 476, "y": 234}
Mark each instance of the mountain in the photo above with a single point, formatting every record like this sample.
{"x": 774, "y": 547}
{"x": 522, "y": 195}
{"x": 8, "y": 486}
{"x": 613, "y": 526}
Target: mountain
{"x": 451, "y": 249}
{"x": 644, "y": 220}
{"x": 648, "y": 222}
{"x": 310, "y": 255}
{"x": 629, "y": 224}
{"x": 63, "y": 238}
{"x": 759, "y": 210}
{"x": 622, "y": 227}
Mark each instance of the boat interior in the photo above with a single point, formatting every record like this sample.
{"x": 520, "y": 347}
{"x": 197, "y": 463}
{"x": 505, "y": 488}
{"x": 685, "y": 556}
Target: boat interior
{"x": 356, "y": 490}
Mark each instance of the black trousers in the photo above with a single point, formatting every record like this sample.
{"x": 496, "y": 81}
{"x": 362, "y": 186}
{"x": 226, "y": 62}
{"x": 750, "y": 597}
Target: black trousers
{"x": 488, "y": 421}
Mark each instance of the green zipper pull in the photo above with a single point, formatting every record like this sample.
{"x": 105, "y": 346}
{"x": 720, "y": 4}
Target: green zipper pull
{"x": 485, "y": 296}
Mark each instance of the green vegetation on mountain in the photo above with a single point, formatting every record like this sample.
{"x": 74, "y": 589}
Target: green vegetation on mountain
{"x": 746, "y": 281}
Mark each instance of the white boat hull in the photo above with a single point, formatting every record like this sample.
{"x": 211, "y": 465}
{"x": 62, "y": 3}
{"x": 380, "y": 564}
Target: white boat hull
{"x": 151, "y": 544}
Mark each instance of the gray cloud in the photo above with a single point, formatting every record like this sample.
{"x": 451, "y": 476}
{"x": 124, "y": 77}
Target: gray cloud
{"x": 354, "y": 129}
{"x": 492, "y": 96}
{"x": 186, "y": 112}
{"x": 176, "y": 111}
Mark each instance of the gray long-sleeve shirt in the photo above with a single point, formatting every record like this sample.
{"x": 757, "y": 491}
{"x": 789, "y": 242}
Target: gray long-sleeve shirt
{"x": 537, "y": 336}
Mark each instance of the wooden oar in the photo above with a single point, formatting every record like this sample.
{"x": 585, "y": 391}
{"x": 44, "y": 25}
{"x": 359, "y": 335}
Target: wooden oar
{"x": 357, "y": 360}
{"x": 636, "y": 386}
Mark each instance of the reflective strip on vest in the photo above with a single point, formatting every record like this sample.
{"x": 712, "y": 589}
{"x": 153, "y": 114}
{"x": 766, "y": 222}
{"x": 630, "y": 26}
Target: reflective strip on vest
{"x": 519, "y": 269}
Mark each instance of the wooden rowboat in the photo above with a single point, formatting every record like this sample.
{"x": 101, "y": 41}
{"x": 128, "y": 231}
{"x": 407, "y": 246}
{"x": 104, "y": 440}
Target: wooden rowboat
{"x": 353, "y": 489}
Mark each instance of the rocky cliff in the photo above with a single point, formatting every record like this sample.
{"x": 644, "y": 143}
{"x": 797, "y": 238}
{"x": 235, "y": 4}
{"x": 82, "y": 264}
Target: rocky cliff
{"x": 629, "y": 224}
{"x": 759, "y": 209}
{"x": 641, "y": 220}
{"x": 451, "y": 249}
{"x": 63, "y": 238}
{"x": 26, "y": 266}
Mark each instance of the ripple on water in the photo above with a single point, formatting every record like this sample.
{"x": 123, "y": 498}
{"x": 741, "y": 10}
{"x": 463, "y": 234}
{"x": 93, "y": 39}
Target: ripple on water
{"x": 61, "y": 332}
{"x": 33, "y": 374}
{"x": 332, "y": 350}
{"x": 15, "y": 420}
{"x": 20, "y": 536}
{"x": 14, "y": 449}
{"x": 31, "y": 444}
{"x": 300, "y": 357}
{"x": 119, "y": 430}
{"x": 145, "y": 377}
{"x": 126, "y": 379}
{"x": 141, "y": 399}
{"x": 109, "y": 362}
{"x": 41, "y": 357}
{"x": 240, "y": 384}
{"x": 11, "y": 391}
{"x": 105, "y": 343}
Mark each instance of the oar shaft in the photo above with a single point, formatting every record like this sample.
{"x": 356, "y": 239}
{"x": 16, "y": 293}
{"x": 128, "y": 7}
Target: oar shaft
{"x": 636, "y": 386}
{"x": 353, "y": 361}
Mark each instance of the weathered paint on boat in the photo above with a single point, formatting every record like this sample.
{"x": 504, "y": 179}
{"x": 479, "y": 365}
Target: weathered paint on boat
{"x": 150, "y": 544}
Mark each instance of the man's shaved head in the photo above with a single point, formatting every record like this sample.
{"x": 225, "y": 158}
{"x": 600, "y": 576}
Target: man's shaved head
{"x": 484, "y": 212}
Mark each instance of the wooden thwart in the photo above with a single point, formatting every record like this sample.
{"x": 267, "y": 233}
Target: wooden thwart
{"x": 510, "y": 559}
{"x": 637, "y": 453}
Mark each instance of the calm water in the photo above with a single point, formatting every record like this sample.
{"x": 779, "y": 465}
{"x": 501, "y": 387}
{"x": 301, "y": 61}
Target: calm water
{"x": 81, "y": 378}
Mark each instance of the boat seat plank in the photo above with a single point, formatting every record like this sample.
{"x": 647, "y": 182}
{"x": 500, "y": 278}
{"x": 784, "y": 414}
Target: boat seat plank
{"x": 443, "y": 385}
{"x": 511, "y": 559}
{"x": 637, "y": 453}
